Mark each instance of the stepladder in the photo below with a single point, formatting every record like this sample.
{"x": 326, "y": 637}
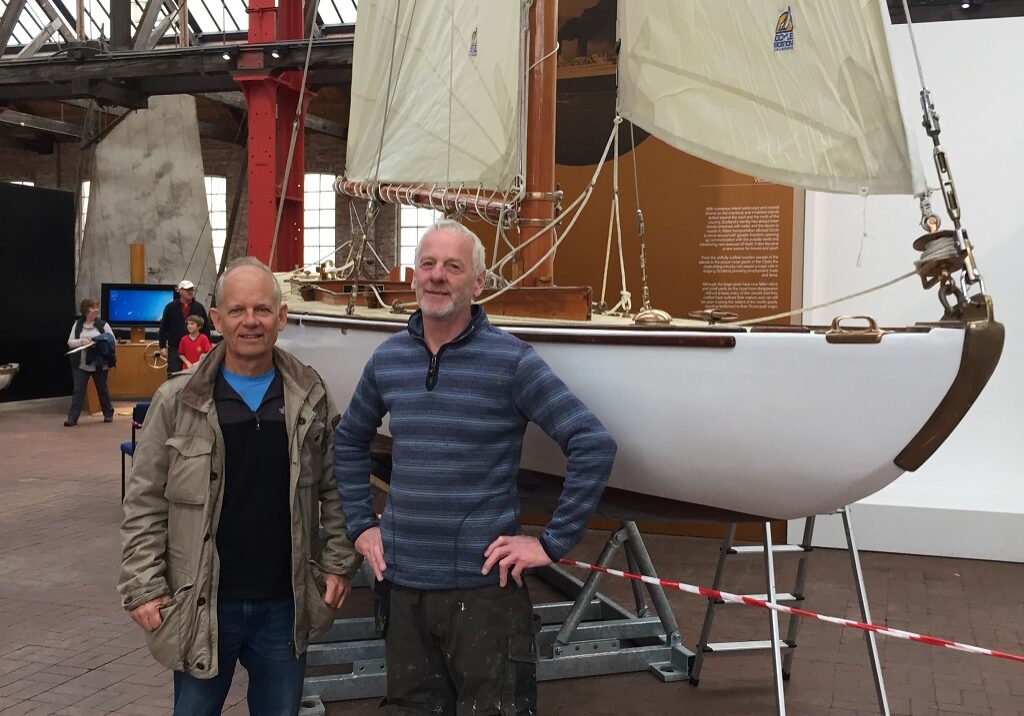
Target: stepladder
{"x": 782, "y": 648}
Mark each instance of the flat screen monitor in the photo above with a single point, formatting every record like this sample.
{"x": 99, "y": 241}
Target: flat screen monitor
{"x": 134, "y": 304}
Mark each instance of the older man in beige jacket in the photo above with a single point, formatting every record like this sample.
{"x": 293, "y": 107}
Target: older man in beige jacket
{"x": 233, "y": 477}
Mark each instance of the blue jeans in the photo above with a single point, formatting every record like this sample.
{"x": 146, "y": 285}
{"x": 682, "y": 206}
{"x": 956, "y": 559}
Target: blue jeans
{"x": 257, "y": 633}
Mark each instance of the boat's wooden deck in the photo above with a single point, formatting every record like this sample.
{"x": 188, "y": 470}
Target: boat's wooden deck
{"x": 296, "y": 305}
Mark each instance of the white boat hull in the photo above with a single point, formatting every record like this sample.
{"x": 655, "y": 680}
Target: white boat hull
{"x": 781, "y": 425}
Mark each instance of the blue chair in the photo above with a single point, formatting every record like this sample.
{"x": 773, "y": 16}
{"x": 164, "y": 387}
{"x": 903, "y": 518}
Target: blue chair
{"x": 128, "y": 448}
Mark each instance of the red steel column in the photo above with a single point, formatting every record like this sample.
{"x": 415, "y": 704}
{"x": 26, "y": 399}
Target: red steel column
{"x": 271, "y": 101}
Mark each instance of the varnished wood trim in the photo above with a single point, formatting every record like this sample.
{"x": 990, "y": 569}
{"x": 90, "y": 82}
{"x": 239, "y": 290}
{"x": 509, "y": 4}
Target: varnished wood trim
{"x": 983, "y": 345}
{"x": 591, "y": 336}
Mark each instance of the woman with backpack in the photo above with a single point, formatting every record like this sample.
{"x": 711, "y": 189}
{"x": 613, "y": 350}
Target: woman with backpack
{"x": 92, "y": 331}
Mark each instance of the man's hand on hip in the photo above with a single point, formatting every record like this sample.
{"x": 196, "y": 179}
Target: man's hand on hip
{"x": 147, "y": 615}
{"x": 337, "y": 590}
{"x": 371, "y": 547}
{"x": 517, "y": 552}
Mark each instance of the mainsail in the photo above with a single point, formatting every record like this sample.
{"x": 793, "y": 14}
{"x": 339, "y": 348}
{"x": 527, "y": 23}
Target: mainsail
{"x": 802, "y": 95}
{"x": 436, "y": 93}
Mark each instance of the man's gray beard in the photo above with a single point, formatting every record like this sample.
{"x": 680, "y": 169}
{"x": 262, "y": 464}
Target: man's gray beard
{"x": 441, "y": 314}
{"x": 435, "y": 314}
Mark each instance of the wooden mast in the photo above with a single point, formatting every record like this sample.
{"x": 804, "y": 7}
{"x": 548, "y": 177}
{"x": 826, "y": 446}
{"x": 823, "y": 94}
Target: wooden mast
{"x": 538, "y": 208}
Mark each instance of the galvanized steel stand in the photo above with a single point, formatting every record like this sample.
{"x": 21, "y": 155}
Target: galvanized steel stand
{"x": 782, "y": 666}
{"x": 587, "y": 635}
{"x": 594, "y": 635}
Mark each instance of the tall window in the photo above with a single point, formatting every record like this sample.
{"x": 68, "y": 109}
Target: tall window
{"x": 414, "y": 222}
{"x": 83, "y": 208}
{"x": 319, "y": 224}
{"x": 217, "y": 203}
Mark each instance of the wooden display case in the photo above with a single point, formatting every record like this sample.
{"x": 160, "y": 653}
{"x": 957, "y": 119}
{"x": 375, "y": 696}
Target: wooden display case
{"x": 130, "y": 379}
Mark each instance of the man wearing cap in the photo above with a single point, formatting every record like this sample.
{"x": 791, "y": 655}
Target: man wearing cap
{"x": 172, "y": 324}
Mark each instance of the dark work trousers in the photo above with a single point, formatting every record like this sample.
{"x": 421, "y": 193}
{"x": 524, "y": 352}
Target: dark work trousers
{"x": 81, "y": 382}
{"x": 173, "y": 361}
{"x": 461, "y": 651}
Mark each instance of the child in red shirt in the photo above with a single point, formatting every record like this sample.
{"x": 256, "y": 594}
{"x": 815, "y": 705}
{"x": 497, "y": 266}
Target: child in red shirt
{"x": 194, "y": 345}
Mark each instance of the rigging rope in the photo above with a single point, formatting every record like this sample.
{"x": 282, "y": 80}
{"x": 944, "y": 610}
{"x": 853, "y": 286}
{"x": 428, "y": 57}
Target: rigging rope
{"x": 806, "y": 309}
{"x": 913, "y": 44}
{"x": 625, "y": 299}
{"x": 578, "y": 204}
{"x": 863, "y": 225}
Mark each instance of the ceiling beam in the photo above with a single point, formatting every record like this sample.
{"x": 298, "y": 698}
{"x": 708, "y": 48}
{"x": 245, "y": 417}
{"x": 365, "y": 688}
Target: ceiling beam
{"x": 63, "y": 28}
{"x": 187, "y": 70}
{"x": 120, "y": 24}
{"x": 146, "y": 23}
{"x": 107, "y": 92}
{"x": 236, "y": 100}
{"x": 9, "y": 21}
{"x": 53, "y": 127}
{"x": 42, "y": 124}
{"x": 39, "y": 40}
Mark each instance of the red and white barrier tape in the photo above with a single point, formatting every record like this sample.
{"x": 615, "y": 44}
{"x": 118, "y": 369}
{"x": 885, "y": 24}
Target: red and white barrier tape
{"x": 740, "y": 599}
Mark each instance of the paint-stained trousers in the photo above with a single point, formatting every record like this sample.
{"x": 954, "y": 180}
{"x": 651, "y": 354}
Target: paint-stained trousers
{"x": 461, "y": 651}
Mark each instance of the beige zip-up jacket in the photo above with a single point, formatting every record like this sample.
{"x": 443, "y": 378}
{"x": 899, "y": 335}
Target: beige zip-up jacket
{"x": 173, "y": 502}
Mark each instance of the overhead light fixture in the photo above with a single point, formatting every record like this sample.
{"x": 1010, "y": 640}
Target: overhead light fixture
{"x": 966, "y": 4}
{"x": 226, "y": 56}
{"x": 275, "y": 54}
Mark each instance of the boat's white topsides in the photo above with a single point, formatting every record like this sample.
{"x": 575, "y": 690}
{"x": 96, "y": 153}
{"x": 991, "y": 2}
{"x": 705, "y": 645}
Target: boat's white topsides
{"x": 776, "y": 424}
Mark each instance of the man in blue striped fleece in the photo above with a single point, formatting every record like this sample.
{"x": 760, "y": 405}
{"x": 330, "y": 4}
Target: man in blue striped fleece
{"x": 460, "y": 635}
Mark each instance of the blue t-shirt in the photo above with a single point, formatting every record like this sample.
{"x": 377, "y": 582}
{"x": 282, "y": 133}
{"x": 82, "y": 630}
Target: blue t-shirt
{"x": 251, "y": 388}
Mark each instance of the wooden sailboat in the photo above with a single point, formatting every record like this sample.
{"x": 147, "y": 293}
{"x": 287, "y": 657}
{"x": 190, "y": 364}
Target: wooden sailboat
{"x": 713, "y": 420}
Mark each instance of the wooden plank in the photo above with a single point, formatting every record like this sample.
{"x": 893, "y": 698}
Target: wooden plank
{"x": 145, "y": 28}
{"x": 40, "y": 39}
{"x": 42, "y": 124}
{"x": 54, "y": 17}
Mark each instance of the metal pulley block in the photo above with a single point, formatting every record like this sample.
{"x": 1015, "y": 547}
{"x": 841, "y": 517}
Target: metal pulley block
{"x": 940, "y": 257}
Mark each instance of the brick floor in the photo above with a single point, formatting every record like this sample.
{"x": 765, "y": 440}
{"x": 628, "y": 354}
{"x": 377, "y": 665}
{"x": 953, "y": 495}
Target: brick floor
{"x": 66, "y": 646}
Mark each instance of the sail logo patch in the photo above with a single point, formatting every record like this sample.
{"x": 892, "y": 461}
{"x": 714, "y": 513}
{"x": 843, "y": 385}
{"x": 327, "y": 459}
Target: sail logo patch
{"x": 784, "y": 31}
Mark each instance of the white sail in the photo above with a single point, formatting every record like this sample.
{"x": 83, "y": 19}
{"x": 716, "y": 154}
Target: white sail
{"x": 435, "y": 93}
{"x": 799, "y": 94}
